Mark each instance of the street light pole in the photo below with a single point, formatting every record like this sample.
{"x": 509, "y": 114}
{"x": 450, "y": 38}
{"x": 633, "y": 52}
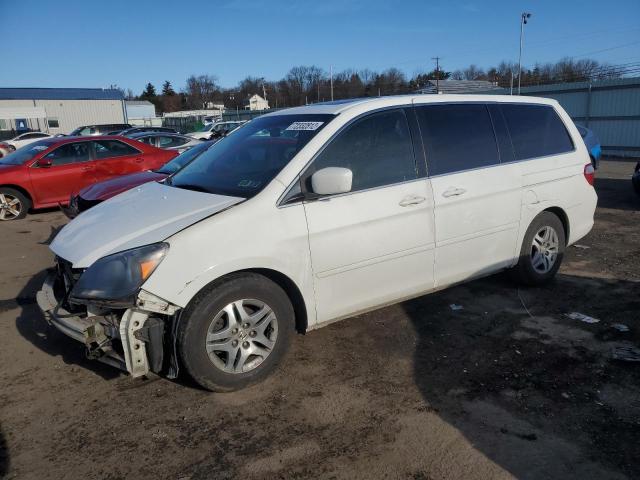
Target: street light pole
{"x": 523, "y": 21}
{"x": 331, "y": 80}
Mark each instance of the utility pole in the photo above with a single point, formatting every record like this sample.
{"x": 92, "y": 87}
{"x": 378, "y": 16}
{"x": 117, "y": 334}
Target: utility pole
{"x": 331, "y": 79}
{"x": 523, "y": 21}
{"x": 437, "y": 59}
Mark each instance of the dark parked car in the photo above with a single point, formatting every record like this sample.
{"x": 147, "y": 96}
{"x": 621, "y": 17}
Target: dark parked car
{"x": 101, "y": 191}
{"x": 635, "y": 179}
{"x": 131, "y": 131}
{"x": 103, "y": 129}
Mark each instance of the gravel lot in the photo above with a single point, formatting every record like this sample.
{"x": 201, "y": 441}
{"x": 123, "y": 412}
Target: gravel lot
{"x": 508, "y": 386}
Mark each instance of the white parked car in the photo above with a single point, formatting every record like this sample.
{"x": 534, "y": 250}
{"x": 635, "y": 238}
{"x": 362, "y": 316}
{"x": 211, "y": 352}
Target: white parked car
{"x": 23, "y": 139}
{"x": 314, "y": 214}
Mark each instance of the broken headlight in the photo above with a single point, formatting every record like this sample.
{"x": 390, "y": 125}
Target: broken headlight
{"x": 117, "y": 278}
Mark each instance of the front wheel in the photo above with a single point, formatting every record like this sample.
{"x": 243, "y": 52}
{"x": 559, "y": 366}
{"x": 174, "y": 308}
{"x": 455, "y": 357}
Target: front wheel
{"x": 235, "y": 332}
{"x": 542, "y": 250}
{"x": 14, "y": 205}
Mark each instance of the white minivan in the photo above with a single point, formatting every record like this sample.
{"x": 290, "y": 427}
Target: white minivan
{"x": 313, "y": 214}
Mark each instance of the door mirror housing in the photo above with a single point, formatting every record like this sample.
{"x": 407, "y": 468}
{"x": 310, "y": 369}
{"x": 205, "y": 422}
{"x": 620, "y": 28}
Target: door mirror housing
{"x": 331, "y": 181}
{"x": 45, "y": 162}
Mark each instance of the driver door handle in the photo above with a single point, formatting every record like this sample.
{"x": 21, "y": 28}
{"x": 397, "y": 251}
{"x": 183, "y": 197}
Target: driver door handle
{"x": 453, "y": 192}
{"x": 411, "y": 200}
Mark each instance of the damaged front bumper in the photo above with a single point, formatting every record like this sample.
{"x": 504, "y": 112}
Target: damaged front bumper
{"x": 138, "y": 339}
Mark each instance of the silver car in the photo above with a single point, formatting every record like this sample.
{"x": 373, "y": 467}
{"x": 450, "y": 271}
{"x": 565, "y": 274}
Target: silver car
{"x": 167, "y": 141}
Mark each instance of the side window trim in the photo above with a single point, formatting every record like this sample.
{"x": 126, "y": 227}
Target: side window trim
{"x": 288, "y": 199}
{"x": 400, "y": 108}
{"x": 555, "y": 112}
{"x": 89, "y": 151}
{"x": 485, "y": 104}
{"x": 94, "y": 152}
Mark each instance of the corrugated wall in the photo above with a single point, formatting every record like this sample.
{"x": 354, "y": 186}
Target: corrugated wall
{"x": 611, "y": 108}
{"x": 72, "y": 113}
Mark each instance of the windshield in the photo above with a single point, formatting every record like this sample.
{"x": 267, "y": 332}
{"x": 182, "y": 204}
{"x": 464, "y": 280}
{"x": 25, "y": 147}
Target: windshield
{"x": 181, "y": 160}
{"x": 242, "y": 164}
{"x": 26, "y": 153}
{"x": 206, "y": 128}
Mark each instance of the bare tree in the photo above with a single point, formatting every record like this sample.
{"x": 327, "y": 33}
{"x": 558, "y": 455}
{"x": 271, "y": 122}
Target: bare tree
{"x": 201, "y": 90}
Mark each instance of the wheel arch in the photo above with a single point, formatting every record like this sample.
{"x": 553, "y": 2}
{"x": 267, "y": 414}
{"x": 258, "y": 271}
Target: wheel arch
{"x": 562, "y": 215}
{"x": 283, "y": 281}
{"x": 20, "y": 189}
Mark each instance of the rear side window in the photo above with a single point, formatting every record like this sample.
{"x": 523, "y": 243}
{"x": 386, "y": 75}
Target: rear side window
{"x": 377, "y": 149}
{"x": 113, "y": 148}
{"x": 457, "y": 137}
{"x": 536, "y": 131}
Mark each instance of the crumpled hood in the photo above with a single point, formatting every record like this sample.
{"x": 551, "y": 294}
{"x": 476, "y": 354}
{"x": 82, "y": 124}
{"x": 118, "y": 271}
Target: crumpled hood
{"x": 112, "y": 187}
{"x": 147, "y": 214}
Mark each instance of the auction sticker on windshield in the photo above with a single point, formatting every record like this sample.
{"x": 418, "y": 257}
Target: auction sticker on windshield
{"x": 304, "y": 126}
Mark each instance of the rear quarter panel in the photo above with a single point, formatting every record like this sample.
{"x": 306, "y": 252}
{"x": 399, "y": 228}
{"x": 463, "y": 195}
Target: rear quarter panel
{"x": 558, "y": 181}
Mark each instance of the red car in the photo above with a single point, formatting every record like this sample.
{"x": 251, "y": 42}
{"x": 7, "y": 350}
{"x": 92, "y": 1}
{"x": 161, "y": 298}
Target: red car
{"x": 45, "y": 173}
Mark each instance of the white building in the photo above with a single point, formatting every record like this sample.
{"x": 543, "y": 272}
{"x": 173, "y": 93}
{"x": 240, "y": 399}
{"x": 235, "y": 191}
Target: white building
{"x": 142, "y": 113}
{"x": 59, "y": 110}
{"x": 256, "y": 102}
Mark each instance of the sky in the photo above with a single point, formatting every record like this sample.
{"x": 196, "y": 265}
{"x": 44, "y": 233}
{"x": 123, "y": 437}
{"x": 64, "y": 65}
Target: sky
{"x": 87, "y": 43}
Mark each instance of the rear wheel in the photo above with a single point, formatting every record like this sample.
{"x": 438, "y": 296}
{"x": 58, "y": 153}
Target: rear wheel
{"x": 14, "y": 205}
{"x": 235, "y": 333}
{"x": 542, "y": 250}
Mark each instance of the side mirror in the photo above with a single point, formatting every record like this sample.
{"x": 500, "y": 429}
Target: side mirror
{"x": 331, "y": 181}
{"x": 45, "y": 162}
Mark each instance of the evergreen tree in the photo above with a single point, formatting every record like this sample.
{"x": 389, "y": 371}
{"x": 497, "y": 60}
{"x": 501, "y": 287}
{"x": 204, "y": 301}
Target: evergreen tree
{"x": 149, "y": 92}
{"x": 167, "y": 89}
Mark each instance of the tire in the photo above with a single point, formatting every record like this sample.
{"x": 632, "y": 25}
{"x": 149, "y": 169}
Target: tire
{"x": 223, "y": 355}
{"x": 540, "y": 259}
{"x": 12, "y": 201}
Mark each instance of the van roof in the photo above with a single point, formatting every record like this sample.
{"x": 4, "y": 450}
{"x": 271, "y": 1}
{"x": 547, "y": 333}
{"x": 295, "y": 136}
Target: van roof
{"x": 340, "y": 106}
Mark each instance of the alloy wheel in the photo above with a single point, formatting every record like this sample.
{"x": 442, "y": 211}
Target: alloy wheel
{"x": 544, "y": 249}
{"x": 242, "y": 335}
{"x": 10, "y": 206}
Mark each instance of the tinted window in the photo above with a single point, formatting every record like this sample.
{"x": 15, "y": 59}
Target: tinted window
{"x": 377, "y": 149}
{"x": 148, "y": 140}
{"x": 536, "y": 131}
{"x": 69, "y": 153}
{"x": 112, "y": 148}
{"x": 242, "y": 164}
{"x": 457, "y": 137}
{"x": 167, "y": 142}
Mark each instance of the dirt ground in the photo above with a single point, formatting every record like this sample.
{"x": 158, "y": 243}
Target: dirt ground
{"x": 508, "y": 386}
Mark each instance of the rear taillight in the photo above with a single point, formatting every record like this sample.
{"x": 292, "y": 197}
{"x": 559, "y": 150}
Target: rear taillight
{"x": 589, "y": 173}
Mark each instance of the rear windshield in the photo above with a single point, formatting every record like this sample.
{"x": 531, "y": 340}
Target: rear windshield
{"x": 243, "y": 163}
{"x": 26, "y": 153}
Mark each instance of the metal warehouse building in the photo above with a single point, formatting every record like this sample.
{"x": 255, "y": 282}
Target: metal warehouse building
{"x": 58, "y": 110}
